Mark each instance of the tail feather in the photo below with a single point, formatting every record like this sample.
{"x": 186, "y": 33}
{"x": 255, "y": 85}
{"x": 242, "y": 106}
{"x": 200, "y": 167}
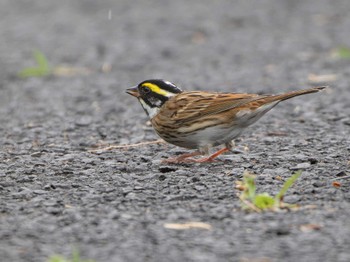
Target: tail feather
{"x": 292, "y": 94}
{"x": 275, "y": 99}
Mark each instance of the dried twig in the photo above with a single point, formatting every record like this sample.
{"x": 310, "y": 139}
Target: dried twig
{"x": 159, "y": 141}
{"x": 188, "y": 225}
{"x": 277, "y": 134}
{"x": 339, "y": 178}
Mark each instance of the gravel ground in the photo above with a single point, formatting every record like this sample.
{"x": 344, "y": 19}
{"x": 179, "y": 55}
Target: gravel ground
{"x": 57, "y": 195}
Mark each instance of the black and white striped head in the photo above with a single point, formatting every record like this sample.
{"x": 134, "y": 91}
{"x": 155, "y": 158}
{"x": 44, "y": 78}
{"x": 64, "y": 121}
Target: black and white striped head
{"x": 153, "y": 93}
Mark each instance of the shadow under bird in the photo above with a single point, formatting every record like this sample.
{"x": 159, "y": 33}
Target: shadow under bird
{"x": 202, "y": 120}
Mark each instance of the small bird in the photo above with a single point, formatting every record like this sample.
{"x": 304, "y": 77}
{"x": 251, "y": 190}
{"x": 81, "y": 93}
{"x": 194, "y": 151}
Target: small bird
{"x": 202, "y": 120}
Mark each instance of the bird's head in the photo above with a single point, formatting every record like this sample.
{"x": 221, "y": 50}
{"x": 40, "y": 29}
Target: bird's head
{"x": 153, "y": 93}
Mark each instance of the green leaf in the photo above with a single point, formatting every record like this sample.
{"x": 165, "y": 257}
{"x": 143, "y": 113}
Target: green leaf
{"x": 40, "y": 59}
{"x": 57, "y": 258}
{"x": 343, "y": 52}
{"x": 290, "y": 181}
{"x": 32, "y": 72}
{"x": 42, "y": 68}
{"x": 75, "y": 256}
{"x": 249, "y": 182}
{"x": 264, "y": 201}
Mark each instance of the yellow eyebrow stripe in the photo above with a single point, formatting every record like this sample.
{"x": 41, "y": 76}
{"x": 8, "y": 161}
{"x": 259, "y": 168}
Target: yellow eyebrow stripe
{"x": 156, "y": 89}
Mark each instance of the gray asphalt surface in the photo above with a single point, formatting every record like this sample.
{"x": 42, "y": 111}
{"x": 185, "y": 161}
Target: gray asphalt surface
{"x": 113, "y": 205}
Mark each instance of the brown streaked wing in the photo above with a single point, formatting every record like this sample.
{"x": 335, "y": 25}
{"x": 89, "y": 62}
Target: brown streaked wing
{"x": 190, "y": 106}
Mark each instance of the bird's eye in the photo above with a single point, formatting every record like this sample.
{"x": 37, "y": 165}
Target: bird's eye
{"x": 146, "y": 90}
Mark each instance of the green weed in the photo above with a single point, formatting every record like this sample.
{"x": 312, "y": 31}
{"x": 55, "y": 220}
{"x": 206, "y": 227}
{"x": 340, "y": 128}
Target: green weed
{"x": 259, "y": 202}
{"x": 42, "y": 68}
{"x": 342, "y": 52}
{"x": 75, "y": 258}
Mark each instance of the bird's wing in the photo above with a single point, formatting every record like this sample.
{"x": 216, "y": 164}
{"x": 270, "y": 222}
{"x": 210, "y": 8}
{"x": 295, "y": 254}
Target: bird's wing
{"x": 190, "y": 106}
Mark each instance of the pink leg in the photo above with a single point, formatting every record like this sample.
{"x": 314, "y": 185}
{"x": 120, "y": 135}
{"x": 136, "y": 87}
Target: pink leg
{"x": 185, "y": 158}
{"x": 213, "y": 156}
{"x": 182, "y": 158}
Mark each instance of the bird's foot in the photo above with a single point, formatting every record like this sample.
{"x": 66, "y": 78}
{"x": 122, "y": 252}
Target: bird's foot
{"x": 184, "y": 158}
{"x": 187, "y": 158}
{"x": 212, "y": 157}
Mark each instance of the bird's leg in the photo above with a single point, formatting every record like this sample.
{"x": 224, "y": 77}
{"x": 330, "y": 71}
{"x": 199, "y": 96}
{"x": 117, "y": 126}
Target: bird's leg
{"x": 228, "y": 147}
{"x": 182, "y": 158}
{"x": 185, "y": 158}
{"x": 231, "y": 146}
{"x": 213, "y": 156}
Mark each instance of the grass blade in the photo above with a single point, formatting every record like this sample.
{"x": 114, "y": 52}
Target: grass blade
{"x": 290, "y": 181}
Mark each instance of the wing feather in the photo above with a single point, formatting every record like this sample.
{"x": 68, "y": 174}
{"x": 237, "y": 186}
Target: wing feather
{"x": 190, "y": 106}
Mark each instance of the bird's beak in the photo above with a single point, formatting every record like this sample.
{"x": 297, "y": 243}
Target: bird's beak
{"x": 133, "y": 91}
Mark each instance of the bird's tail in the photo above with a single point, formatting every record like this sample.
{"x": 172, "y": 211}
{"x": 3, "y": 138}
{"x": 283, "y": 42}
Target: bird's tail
{"x": 273, "y": 100}
{"x": 292, "y": 94}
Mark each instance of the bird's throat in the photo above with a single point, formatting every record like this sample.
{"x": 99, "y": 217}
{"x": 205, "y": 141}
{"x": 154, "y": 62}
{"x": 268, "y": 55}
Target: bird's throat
{"x": 151, "y": 111}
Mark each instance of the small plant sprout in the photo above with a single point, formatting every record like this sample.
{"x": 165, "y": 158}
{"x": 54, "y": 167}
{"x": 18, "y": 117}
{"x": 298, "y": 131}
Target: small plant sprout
{"x": 259, "y": 202}
{"x": 75, "y": 258}
{"x": 41, "y": 69}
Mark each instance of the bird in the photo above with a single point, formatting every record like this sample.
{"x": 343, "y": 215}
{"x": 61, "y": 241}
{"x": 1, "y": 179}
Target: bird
{"x": 202, "y": 120}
